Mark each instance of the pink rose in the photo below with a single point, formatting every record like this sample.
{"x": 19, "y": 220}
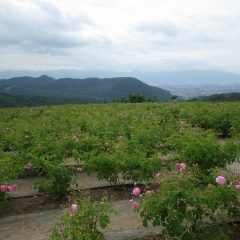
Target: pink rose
{"x": 14, "y": 187}
{"x": 8, "y": 189}
{"x": 2, "y": 188}
{"x": 134, "y": 204}
{"x": 136, "y": 191}
{"x": 238, "y": 187}
{"x": 181, "y": 167}
{"x": 79, "y": 169}
{"x": 220, "y": 180}
{"x": 74, "y": 208}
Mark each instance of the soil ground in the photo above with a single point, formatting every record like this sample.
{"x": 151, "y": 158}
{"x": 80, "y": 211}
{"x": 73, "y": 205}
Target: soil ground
{"x": 32, "y": 217}
{"x": 34, "y": 204}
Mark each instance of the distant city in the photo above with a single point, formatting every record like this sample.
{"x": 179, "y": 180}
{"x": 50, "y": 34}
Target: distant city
{"x": 191, "y": 91}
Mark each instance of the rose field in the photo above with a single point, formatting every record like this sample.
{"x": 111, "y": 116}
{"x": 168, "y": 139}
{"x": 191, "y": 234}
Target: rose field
{"x": 144, "y": 171}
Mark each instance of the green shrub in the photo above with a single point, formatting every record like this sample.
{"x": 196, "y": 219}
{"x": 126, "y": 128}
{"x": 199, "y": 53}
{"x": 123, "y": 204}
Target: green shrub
{"x": 187, "y": 210}
{"x": 221, "y": 118}
{"x": 8, "y": 171}
{"x": 85, "y": 223}
{"x": 120, "y": 165}
{"x": 203, "y": 150}
{"x": 59, "y": 182}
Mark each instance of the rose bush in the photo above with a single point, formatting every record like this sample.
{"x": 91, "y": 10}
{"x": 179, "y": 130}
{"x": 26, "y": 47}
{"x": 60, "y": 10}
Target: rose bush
{"x": 202, "y": 149}
{"x": 186, "y": 209}
{"x": 84, "y": 221}
{"x": 59, "y": 182}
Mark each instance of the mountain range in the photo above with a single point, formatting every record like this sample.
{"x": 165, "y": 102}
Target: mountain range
{"x": 94, "y": 89}
{"x": 186, "y": 83}
{"x": 155, "y": 78}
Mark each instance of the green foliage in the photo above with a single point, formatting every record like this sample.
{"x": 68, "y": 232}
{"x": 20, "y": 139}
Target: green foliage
{"x": 60, "y": 181}
{"x": 85, "y": 223}
{"x": 118, "y": 141}
{"x": 19, "y": 100}
{"x": 120, "y": 166}
{"x": 203, "y": 150}
{"x": 221, "y": 118}
{"x": 133, "y": 98}
{"x": 187, "y": 210}
{"x": 8, "y": 171}
{"x": 27, "y": 91}
{"x": 228, "y": 97}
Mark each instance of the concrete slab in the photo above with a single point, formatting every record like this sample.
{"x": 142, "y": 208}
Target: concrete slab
{"x": 35, "y": 226}
{"x": 126, "y": 224}
{"x": 26, "y": 186}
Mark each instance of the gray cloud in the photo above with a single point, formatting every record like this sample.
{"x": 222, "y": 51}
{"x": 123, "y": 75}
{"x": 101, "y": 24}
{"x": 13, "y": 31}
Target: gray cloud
{"x": 43, "y": 30}
{"x": 166, "y": 29}
{"x": 106, "y": 34}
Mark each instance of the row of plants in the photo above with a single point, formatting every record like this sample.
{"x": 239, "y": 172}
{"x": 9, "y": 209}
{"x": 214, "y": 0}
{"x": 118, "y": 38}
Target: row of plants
{"x": 223, "y": 118}
{"x": 188, "y": 203}
{"x": 196, "y": 201}
{"x": 182, "y": 208}
{"x": 120, "y": 142}
{"x": 144, "y": 143}
{"x": 188, "y": 208}
{"x": 45, "y": 137}
{"x": 84, "y": 221}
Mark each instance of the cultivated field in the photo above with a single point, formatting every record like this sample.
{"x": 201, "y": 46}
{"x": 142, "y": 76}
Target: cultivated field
{"x": 176, "y": 162}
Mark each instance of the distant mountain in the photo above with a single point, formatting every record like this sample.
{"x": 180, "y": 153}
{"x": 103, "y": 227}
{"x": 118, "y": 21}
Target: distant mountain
{"x": 93, "y": 88}
{"x": 191, "y": 83}
{"x": 156, "y": 78}
{"x": 223, "y": 97}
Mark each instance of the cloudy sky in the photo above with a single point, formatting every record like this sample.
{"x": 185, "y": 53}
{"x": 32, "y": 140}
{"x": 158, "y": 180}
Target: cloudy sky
{"x": 120, "y": 35}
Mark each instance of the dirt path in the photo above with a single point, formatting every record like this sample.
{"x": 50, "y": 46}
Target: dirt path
{"x": 125, "y": 225}
{"x": 26, "y": 186}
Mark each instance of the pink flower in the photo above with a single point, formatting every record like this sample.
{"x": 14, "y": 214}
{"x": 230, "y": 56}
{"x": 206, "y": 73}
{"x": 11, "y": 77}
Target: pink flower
{"x": 238, "y": 187}
{"x": 8, "y": 189}
{"x": 74, "y": 208}
{"x": 2, "y": 188}
{"x": 134, "y": 204}
{"x": 181, "y": 166}
{"x": 28, "y": 166}
{"x": 79, "y": 169}
{"x": 220, "y": 180}
{"x": 136, "y": 191}
{"x": 157, "y": 174}
{"x": 14, "y": 187}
